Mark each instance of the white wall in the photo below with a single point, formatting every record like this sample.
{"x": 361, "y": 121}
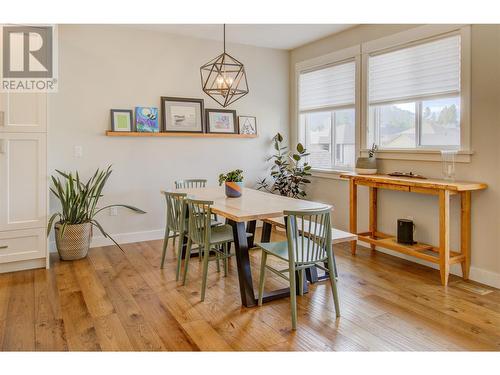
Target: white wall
{"x": 485, "y": 109}
{"x": 104, "y": 67}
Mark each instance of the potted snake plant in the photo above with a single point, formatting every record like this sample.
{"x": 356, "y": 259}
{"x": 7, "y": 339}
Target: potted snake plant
{"x": 79, "y": 208}
{"x": 233, "y": 183}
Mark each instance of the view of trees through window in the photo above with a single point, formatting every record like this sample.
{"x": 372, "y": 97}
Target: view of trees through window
{"x": 427, "y": 123}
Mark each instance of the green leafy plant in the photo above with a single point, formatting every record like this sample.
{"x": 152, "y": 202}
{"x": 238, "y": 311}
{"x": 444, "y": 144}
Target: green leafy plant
{"x": 233, "y": 176}
{"x": 289, "y": 172}
{"x": 79, "y": 200}
{"x": 371, "y": 152}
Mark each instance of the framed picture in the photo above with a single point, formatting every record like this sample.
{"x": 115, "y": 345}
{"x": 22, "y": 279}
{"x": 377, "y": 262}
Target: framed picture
{"x": 221, "y": 121}
{"x": 146, "y": 119}
{"x": 247, "y": 124}
{"x": 184, "y": 115}
{"x": 121, "y": 120}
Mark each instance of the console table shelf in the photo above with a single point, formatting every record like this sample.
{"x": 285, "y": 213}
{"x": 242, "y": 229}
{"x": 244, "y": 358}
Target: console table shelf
{"x": 418, "y": 250}
{"x": 110, "y": 133}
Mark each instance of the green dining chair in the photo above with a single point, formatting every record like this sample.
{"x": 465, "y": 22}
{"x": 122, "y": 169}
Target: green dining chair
{"x": 176, "y": 225}
{"x": 191, "y": 183}
{"x": 301, "y": 252}
{"x": 208, "y": 238}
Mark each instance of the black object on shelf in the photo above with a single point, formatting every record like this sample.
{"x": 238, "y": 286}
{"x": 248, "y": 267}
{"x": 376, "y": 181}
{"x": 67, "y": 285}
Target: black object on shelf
{"x": 405, "y": 231}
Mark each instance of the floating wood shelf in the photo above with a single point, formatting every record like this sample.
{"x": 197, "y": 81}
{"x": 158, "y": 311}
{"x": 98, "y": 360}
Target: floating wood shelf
{"x": 110, "y": 133}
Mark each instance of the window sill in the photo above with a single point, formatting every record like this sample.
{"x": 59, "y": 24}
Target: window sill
{"x": 419, "y": 155}
{"x": 332, "y": 174}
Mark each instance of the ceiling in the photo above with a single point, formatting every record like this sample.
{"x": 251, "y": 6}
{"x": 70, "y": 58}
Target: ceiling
{"x": 280, "y": 36}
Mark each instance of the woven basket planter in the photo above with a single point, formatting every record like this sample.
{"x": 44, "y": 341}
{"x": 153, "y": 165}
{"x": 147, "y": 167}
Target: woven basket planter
{"x": 75, "y": 242}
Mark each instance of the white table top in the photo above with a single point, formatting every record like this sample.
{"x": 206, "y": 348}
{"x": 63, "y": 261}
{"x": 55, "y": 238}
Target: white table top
{"x": 252, "y": 205}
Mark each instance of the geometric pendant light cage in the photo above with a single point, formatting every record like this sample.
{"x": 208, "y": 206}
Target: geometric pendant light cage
{"x": 223, "y": 78}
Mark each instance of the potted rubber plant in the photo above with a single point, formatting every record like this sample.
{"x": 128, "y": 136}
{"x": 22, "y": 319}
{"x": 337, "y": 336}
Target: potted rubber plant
{"x": 290, "y": 171}
{"x": 79, "y": 207}
{"x": 368, "y": 165}
{"x": 233, "y": 183}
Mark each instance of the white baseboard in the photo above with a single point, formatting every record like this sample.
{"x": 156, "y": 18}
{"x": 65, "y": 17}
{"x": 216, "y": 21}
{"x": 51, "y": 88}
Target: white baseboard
{"x": 476, "y": 274}
{"x": 98, "y": 241}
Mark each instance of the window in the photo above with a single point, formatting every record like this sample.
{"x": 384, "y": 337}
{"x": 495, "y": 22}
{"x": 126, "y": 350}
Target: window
{"x": 414, "y": 96}
{"x": 327, "y": 115}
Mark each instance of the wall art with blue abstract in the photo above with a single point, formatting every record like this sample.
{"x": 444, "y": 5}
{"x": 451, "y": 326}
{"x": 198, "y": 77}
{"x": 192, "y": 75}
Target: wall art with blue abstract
{"x": 146, "y": 119}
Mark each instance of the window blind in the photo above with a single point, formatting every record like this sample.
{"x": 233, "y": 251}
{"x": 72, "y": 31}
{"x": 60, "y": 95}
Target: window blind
{"x": 427, "y": 69}
{"x": 327, "y": 87}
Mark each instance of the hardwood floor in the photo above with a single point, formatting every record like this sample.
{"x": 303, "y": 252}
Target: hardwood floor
{"x": 123, "y": 301}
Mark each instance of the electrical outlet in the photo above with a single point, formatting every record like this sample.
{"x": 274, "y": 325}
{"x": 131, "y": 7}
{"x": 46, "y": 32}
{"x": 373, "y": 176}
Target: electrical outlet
{"x": 113, "y": 211}
{"x": 78, "y": 152}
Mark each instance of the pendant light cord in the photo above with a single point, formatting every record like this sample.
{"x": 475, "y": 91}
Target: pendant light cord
{"x": 224, "y": 28}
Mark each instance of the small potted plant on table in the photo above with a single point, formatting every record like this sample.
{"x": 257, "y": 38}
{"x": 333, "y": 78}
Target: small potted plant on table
{"x": 233, "y": 182}
{"x": 367, "y": 165}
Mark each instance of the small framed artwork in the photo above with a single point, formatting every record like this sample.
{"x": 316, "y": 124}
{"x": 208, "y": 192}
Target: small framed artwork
{"x": 121, "y": 120}
{"x": 146, "y": 119}
{"x": 182, "y": 115}
{"x": 247, "y": 124}
{"x": 222, "y": 121}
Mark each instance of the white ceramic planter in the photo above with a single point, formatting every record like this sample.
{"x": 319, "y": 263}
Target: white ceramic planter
{"x": 366, "y": 165}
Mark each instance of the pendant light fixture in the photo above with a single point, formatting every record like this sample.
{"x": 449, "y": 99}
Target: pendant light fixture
{"x": 223, "y": 78}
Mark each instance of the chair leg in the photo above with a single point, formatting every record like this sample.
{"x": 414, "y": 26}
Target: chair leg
{"x": 226, "y": 258}
{"x": 186, "y": 261}
{"x": 331, "y": 272}
{"x": 165, "y": 244}
{"x": 205, "y": 271}
{"x": 217, "y": 258}
{"x": 179, "y": 257}
{"x": 301, "y": 281}
{"x": 293, "y": 297}
{"x": 335, "y": 265}
{"x": 262, "y": 276}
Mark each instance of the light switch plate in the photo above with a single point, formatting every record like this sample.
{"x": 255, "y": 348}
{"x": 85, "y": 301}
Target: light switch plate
{"x": 78, "y": 152}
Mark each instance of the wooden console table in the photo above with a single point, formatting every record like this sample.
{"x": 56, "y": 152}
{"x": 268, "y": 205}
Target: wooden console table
{"x": 442, "y": 254}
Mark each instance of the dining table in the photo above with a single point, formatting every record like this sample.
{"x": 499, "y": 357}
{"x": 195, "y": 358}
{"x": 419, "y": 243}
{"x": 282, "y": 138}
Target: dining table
{"x": 242, "y": 214}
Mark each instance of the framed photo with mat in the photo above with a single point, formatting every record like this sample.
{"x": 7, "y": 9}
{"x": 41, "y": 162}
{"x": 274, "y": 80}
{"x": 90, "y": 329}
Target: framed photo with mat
{"x": 182, "y": 115}
{"x": 121, "y": 120}
{"x": 221, "y": 121}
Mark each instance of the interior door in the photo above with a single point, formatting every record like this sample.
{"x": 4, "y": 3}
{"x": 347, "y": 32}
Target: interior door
{"x": 23, "y": 201}
{"x": 23, "y": 112}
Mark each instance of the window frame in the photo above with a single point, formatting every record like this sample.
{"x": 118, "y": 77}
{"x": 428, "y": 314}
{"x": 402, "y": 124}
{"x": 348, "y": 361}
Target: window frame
{"x": 333, "y": 130}
{"x": 336, "y": 58}
{"x": 416, "y": 36}
{"x": 418, "y": 124}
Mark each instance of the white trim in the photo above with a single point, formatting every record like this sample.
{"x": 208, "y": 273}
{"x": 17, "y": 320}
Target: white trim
{"x": 124, "y": 238}
{"x": 121, "y": 238}
{"x": 337, "y": 57}
{"x": 408, "y": 36}
{"x": 476, "y": 274}
{"x": 422, "y": 154}
{"x": 400, "y": 40}
{"x": 329, "y": 174}
{"x": 328, "y": 59}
